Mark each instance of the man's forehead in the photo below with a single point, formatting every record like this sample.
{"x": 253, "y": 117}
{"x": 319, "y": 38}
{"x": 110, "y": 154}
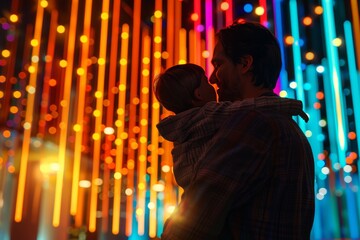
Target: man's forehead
{"x": 219, "y": 53}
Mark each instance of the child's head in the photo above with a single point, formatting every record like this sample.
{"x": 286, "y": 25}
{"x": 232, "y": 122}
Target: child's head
{"x": 182, "y": 87}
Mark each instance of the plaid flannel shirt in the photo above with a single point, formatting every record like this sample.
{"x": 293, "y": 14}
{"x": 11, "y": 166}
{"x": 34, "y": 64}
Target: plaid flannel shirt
{"x": 253, "y": 177}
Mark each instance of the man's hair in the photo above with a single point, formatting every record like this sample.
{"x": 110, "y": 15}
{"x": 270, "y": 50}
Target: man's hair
{"x": 175, "y": 88}
{"x": 250, "y": 38}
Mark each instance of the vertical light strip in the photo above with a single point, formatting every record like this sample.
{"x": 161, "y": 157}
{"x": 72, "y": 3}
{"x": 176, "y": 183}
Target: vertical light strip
{"x": 133, "y": 105}
{"x": 334, "y": 71}
{"x": 316, "y": 133}
{"x": 197, "y": 33}
{"x": 297, "y": 55}
{"x": 356, "y": 27}
{"x": 98, "y": 115}
{"x": 78, "y": 127}
{"x": 355, "y": 94}
{"x": 177, "y": 27}
{"x": 229, "y": 16}
{"x": 121, "y": 136}
{"x": 182, "y": 46}
{"x": 157, "y": 32}
{"x": 31, "y": 90}
{"x": 278, "y": 21}
{"x": 47, "y": 73}
{"x": 110, "y": 113}
{"x": 143, "y": 139}
{"x": 170, "y": 30}
{"x": 210, "y": 34}
{"x": 65, "y": 111}
{"x": 264, "y": 17}
{"x": 113, "y": 64}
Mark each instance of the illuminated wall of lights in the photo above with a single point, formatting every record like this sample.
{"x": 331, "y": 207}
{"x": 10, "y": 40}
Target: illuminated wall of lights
{"x": 80, "y": 155}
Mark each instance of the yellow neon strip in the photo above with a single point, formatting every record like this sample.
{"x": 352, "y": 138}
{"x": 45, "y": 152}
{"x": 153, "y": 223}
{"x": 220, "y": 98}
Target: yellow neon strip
{"x": 177, "y": 26}
{"x": 98, "y": 116}
{"x": 192, "y": 46}
{"x": 356, "y": 28}
{"x": 80, "y": 109}
{"x": 143, "y": 139}
{"x": 121, "y": 119}
{"x": 31, "y": 89}
{"x": 155, "y": 119}
{"x": 65, "y": 112}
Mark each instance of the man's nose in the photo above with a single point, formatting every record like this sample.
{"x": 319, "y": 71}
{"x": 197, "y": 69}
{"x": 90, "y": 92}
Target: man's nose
{"x": 213, "y": 79}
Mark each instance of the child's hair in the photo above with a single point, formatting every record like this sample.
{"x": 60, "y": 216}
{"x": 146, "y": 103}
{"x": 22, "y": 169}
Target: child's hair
{"x": 175, "y": 88}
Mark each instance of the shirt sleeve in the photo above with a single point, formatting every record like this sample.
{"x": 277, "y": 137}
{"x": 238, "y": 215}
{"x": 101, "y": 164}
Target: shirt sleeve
{"x": 235, "y": 166}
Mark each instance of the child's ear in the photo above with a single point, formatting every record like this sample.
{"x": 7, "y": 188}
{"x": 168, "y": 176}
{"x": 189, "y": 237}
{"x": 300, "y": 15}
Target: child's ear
{"x": 246, "y": 63}
{"x": 197, "y": 93}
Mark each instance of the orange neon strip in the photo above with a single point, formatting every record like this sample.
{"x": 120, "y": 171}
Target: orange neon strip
{"x": 177, "y": 26}
{"x": 144, "y": 114}
{"x": 110, "y": 112}
{"x": 155, "y": 119}
{"x": 170, "y": 36}
{"x": 197, "y": 38}
{"x": 121, "y": 116}
{"x": 356, "y": 29}
{"x": 48, "y": 68}
{"x": 133, "y": 112}
{"x": 65, "y": 112}
{"x": 182, "y": 46}
{"x": 80, "y": 109}
{"x": 29, "y": 116}
{"x": 99, "y": 112}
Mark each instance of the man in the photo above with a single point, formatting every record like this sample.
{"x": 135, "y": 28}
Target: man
{"x": 255, "y": 179}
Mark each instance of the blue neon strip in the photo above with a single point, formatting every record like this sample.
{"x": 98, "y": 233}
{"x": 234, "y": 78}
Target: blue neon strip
{"x": 297, "y": 56}
{"x": 336, "y": 88}
{"x": 355, "y": 90}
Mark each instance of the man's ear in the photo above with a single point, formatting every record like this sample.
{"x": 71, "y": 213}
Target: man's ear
{"x": 246, "y": 63}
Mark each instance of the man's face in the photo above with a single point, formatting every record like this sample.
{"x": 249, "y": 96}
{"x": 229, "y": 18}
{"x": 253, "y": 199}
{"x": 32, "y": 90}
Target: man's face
{"x": 225, "y": 75}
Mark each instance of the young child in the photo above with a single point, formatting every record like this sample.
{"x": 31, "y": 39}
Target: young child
{"x": 182, "y": 87}
{"x": 185, "y": 90}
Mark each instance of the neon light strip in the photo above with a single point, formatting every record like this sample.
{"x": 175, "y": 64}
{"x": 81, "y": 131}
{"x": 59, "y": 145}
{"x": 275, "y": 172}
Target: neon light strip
{"x": 209, "y": 35}
{"x": 65, "y": 112}
{"x": 264, "y": 17}
{"x": 283, "y": 83}
{"x": 297, "y": 55}
{"x": 334, "y": 71}
{"x": 80, "y": 108}
{"x": 356, "y": 22}
{"x": 143, "y": 139}
{"x": 31, "y": 89}
{"x": 98, "y": 116}
{"x": 48, "y": 68}
{"x": 355, "y": 93}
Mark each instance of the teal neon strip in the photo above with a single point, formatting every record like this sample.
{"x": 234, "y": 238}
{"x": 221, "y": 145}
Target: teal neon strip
{"x": 314, "y": 114}
{"x": 330, "y": 114}
{"x": 355, "y": 93}
{"x": 317, "y": 146}
{"x": 297, "y": 56}
{"x": 335, "y": 82}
